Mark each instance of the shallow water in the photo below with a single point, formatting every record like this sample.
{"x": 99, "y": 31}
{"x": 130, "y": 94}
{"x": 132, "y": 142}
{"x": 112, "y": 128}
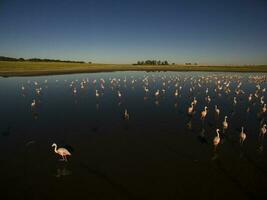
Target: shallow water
{"x": 160, "y": 152}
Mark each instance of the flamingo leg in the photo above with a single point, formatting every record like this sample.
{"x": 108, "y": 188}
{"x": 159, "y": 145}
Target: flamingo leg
{"x": 62, "y": 158}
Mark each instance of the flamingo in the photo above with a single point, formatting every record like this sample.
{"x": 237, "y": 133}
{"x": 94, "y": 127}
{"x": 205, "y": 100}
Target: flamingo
{"x": 204, "y": 112}
{"x": 74, "y": 91}
{"x": 61, "y": 151}
{"x": 217, "y": 110}
{"x": 194, "y": 101}
{"x": 216, "y": 139}
{"x": 176, "y": 93}
{"x": 208, "y": 99}
{"x": 250, "y": 97}
{"x": 126, "y": 115}
{"x": 234, "y": 101}
{"x": 190, "y": 109}
{"x": 119, "y": 94}
{"x": 157, "y": 93}
{"x": 263, "y": 130}
{"x": 33, "y": 104}
{"x": 264, "y": 108}
{"x": 261, "y": 100}
{"x": 242, "y": 135}
{"x": 225, "y": 123}
{"x": 96, "y": 93}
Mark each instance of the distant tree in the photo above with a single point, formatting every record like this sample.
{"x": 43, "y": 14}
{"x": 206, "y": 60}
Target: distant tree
{"x": 166, "y": 62}
{"x": 147, "y": 62}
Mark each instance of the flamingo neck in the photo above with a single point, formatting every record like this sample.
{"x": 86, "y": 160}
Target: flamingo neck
{"x": 55, "y": 148}
{"x": 217, "y": 131}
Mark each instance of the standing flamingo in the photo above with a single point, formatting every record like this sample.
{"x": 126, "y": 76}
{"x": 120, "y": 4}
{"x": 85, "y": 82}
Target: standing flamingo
{"x": 216, "y": 139}
{"x": 195, "y": 101}
{"x": 263, "y": 130}
{"x": 190, "y": 109}
{"x": 204, "y": 112}
{"x": 157, "y": 93}
{"x": 264, "y": 108}
{"x": 61, "y": 151}
{"x": 33, "y": 104}
{"x": 225, "y": 123}
{"x": 242, "y": 135}
{"x": 217, "y": 110}
{"x": 126, "y": 115}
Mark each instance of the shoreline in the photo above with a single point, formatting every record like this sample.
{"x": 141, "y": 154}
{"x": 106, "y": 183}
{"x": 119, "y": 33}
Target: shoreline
{"x": 15, "y": 68}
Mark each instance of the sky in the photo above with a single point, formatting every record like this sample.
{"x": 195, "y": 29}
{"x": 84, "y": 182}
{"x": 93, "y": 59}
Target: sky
{"x": 125, "y": 31}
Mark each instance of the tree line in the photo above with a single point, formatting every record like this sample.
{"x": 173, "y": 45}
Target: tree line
{"x": 4, "y": 58}
{"x": 152, "y": 62}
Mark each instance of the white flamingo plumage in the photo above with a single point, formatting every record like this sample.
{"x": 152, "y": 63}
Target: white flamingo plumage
{"x": 217, "y": 138}
{"x": 242, "y": 135}
{"x": 190, "y": 109}
{"x": 61, "y": 151}
{"x": 264, "y": 108}
{"x": 225, "y": 123}
{"x": 33, "y": 104}
{"x": 263, "y": 130}
{"x": 126, "y": 115}
{"x": 217, "y": 110}
{"x": 204, "y": 112}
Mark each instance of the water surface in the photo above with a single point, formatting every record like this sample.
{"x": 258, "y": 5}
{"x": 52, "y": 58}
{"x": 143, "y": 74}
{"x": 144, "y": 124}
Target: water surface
{"x": 160, "y": 152}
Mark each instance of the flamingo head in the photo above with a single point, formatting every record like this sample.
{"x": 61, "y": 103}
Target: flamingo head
{"x": 206, "y": 108}
{"x": 217, "y": 130}
{"x": 225, "y": 117}
{"x": 54, "y": 144}
{"x": 264, "y": 125}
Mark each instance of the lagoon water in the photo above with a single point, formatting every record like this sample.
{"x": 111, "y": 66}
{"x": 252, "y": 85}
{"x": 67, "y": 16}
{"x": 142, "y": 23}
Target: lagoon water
{"x": 160, "y": 152}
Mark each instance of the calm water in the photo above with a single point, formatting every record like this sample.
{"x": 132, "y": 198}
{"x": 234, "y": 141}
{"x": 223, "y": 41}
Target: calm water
{"x": 160, "y": 152}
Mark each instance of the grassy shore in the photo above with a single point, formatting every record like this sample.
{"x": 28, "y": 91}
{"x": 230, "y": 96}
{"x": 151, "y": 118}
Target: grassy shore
{"x": 15, "y": 68}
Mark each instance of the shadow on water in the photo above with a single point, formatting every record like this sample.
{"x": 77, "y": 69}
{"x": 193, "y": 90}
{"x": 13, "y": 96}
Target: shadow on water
{"x": 117, "y": 186}
{"x": 247, "y": 157}
{"x": 202, "y": 138}
{"x": 235, "y": 181}
{"x": 6, "y": 132}
{"x": 63, "y": 171}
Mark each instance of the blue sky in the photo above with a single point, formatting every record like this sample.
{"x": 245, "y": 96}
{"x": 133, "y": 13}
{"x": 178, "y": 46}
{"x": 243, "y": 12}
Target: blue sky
{"x": 124, "y": 31}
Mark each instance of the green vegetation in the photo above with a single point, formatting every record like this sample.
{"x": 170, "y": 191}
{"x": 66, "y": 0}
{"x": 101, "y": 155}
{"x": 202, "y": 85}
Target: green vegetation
{"x": 29, "y": 68}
